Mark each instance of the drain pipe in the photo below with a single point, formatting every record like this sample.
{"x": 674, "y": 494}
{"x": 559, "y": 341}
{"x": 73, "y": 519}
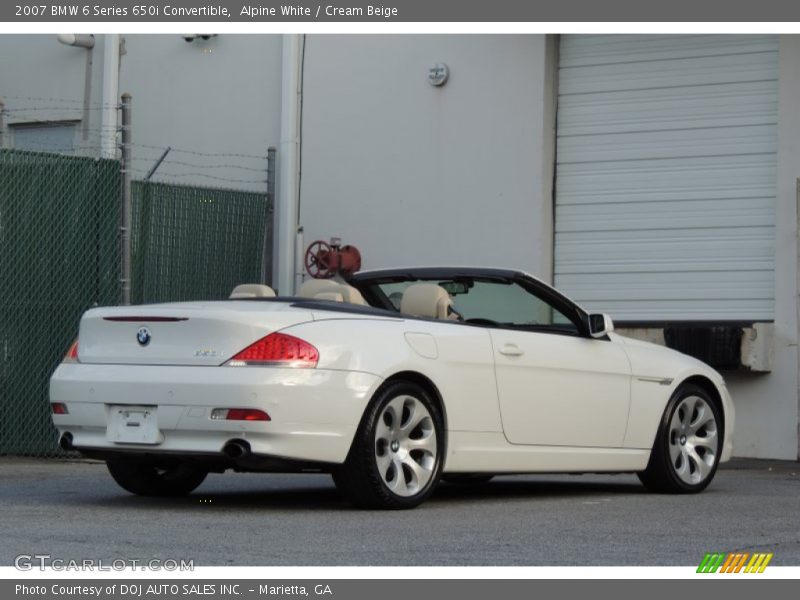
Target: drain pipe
{"x": 110, "y": 96}
{"x": 286, "y": 209}
{"x": 85, "y": 41}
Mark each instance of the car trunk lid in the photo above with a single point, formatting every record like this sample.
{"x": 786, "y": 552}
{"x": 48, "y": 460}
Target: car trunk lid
{"x": 190, "y": 333}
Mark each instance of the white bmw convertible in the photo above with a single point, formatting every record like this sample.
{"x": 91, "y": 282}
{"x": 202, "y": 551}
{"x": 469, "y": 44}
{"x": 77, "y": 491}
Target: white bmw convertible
{"x": 390, "y": 382}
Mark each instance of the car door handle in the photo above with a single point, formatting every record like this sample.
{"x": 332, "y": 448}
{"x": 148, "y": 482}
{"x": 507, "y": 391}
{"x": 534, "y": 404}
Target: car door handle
{"x": 511, "y": 350}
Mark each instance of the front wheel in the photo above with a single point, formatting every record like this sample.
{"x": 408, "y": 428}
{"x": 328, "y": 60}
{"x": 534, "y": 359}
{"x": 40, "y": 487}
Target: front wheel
{"x": 154, "y": 479}
{"x": 396, "y": 458}
{"x": 686, "y": 452}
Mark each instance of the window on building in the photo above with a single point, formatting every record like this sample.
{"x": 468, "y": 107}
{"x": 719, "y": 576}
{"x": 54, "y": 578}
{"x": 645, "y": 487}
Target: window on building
{"x": 53, "y": 136}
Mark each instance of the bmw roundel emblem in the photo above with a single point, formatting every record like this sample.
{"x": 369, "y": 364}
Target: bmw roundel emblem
{"x": 143, "y": 336}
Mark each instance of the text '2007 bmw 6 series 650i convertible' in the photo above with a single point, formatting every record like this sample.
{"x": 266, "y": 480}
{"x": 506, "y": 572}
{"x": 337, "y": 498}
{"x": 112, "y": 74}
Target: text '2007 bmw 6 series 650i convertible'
{"x": 389, "y": 381}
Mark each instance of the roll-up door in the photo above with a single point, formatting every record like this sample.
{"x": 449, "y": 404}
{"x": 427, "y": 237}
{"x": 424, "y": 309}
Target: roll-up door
{"x": 666, "y": 175}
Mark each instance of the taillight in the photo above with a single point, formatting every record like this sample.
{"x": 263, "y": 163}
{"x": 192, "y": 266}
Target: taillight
{"x": 59, "y": 408}
{"x": 239, "y": 414}
{"x": 277, "y": 349}
{"x": 72, "y": 354}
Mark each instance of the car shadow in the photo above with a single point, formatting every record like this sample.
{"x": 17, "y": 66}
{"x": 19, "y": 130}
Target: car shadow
{"x": 540, "y": 489}
{"x": 300, "y": 496}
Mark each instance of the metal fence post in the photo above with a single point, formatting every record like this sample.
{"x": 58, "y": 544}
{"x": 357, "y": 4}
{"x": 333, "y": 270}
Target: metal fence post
{"x": 2, "y": 125}
{"x": 125, "y": 226}
{"x": 266, "y": 256}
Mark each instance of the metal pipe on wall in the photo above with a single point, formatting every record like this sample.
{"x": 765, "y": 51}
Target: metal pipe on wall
{"x": 286, "y": 210}
{"x": 108, "y": 131}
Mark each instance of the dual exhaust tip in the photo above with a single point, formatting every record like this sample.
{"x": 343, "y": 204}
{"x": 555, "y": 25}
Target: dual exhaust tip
{"x": 234, "y": 449}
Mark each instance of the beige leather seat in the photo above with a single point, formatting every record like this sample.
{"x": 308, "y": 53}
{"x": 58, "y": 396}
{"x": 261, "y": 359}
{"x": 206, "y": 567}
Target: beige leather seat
{"x": 252, "y": 290}
{"x": 327, "y": 289}
{"x": 428, "y": 300}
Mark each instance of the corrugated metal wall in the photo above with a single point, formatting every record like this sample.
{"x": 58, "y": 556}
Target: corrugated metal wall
{"x": 666, "y": 175}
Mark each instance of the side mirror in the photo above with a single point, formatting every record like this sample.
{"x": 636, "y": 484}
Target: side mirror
{"x": 600, "y": 324}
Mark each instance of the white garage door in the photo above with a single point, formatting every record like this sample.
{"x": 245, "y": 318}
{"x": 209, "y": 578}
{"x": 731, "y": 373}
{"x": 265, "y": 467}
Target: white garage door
{"x": 666, "y": 175}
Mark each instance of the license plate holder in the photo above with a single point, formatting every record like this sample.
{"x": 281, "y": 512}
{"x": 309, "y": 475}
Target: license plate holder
{"x": 133, "y": 425}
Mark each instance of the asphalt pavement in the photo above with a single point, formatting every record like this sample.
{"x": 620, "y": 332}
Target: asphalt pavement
{"x": 72, "y": 510}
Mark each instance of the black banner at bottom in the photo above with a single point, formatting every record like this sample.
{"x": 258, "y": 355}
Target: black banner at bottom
{"x": 391, "y": 589}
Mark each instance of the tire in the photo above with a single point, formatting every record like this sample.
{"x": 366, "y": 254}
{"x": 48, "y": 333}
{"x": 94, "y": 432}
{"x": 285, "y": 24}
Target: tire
{"x": 467, "y": 478}
{"x": 688, "y": 444}
{"x": 151, "y": 479}
{"x": 395, "y": 461}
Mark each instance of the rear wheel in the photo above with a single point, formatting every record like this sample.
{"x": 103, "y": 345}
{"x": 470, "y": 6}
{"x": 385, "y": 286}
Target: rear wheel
{"x": 396, "y": 458}
{"x": 156, "y": 479}
{"x": 686, "y": 452}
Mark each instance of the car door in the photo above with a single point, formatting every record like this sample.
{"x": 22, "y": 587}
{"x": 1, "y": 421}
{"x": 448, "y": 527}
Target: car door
{"x": 557, "y": 386}
{"x": 561, "y": 390}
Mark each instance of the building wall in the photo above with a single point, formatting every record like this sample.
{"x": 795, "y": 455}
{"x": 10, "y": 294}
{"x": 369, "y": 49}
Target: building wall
{"x": 220, "y": 96}
{"x": 459, "y": 175}
{"x": 418, "y": 175}
{"x": 216, "y": 102}
{"x": 42, "y": 79}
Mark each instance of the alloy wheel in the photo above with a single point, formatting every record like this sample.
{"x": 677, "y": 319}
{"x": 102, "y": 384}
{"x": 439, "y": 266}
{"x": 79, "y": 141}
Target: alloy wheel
{"x": 405, "y": 445}
{"x": 693, "y": 440}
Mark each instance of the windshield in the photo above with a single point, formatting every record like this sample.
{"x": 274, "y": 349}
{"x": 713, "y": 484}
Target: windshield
{"x": 486, "y": 302}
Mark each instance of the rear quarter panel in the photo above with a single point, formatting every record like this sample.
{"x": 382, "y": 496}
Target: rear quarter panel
{"x": 458, "y": 360}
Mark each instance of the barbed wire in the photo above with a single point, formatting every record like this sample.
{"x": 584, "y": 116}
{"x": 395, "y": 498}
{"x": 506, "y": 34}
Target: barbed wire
{"x": 197, "y": 153}
{"x": 31, "y": 117}
{"x": 203, "y": 166}
{"x": 189, "y": 174}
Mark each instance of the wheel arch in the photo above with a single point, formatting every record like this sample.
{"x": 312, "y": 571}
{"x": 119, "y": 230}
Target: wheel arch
{"x": 421, "y": 380}
{"x": 710, "y": 388}
{"x": 424, "y": 382}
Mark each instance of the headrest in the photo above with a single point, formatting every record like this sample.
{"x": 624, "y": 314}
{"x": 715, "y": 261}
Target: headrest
{"x": 314, "y": 287}
{"x": 427, "y": 300}
{"x": 252, "y": 290}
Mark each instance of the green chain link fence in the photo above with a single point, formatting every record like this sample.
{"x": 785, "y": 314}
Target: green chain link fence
{"x": 192, "y": 243}
{"x": 59, "y": 256}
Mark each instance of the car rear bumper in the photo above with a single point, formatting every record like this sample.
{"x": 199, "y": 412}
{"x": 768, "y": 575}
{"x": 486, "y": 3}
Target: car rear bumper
{"x": 313, "y": 412}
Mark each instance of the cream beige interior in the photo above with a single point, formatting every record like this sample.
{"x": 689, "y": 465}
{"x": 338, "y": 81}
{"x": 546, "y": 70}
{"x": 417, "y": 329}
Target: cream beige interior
{"x": 428, "y": 300}
{"x": 252, "y": 290}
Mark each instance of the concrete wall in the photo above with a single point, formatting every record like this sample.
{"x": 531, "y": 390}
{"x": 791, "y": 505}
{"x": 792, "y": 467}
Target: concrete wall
{"x": 220, "y": 96}
{"x": 418, "y": 175}
{"x": 42, "y": 79}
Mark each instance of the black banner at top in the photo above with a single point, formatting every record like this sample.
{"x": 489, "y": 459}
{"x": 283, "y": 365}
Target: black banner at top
{"x": 342, "y": 11}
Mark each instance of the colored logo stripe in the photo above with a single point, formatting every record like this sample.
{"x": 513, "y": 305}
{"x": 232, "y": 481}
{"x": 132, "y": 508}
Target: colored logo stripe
{"x": 711, "y": 563}
{"x": 758, "y": 563}
{"x": 734, "y": 562}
